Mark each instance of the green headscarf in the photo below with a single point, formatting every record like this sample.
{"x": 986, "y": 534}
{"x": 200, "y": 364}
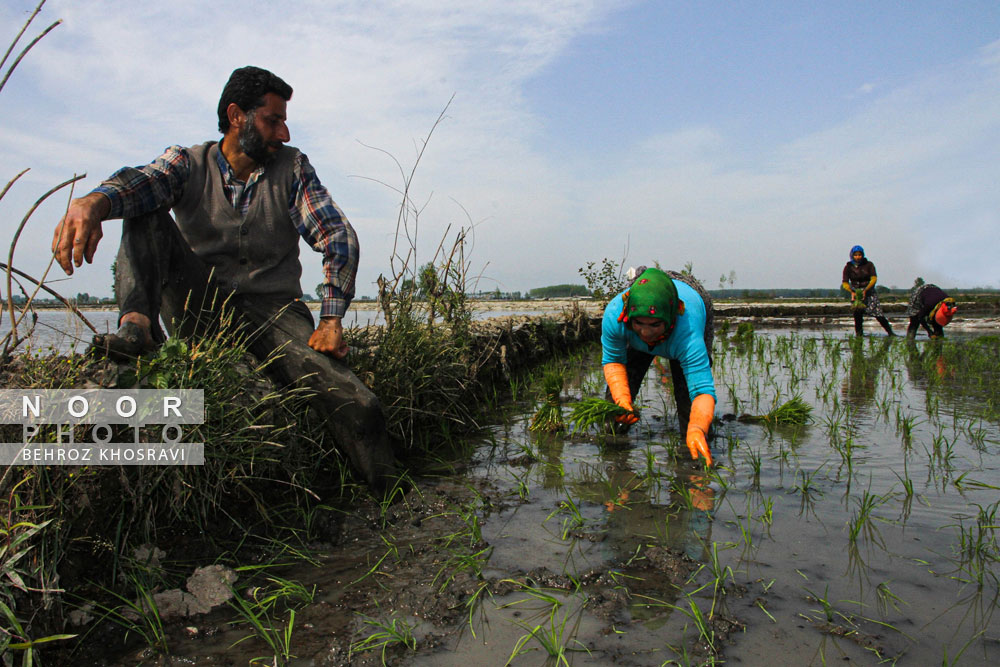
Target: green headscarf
{"x": 653, "y": 294}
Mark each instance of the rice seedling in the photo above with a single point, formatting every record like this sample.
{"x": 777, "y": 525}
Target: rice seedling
{"x": 905, "y": 481}
{"x": 521, "y": 488}
{"x": 806, "y": 486}
{"x": 827, "y": 607}
{"x": 553, "y": 636}
{"x": 719, "y": 574}
{"x": 702, "y": 623}
{"x": 459, "y": 562}
{"x": 885, "y": 598}
{"x": 861, "y": 520}
{"x": 793, "y": 411}
{"x": 979, "y": 547}
{"x": 652, "y": 470}
{"x": 592, "y": 412}
{"x": 753, "y": 458}
{"x": 574, "y": 518}
{"x": 767, "y": 516}
{"x": 977, "y": 435}
{"x": 388, "y": 634}
{"x": 732, "y": 442}
{"x": 746, "y": 535}
{"x": 684, "y": 494}
{"x": 548, "y": 418}
{"x": 258, "y": 608}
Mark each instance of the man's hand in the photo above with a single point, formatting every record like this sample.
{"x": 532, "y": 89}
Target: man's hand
{"x": 78, "y": 233}
{"x": 329, "y": 338}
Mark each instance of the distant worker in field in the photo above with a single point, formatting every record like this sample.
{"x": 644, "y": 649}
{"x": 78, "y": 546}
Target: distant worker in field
{"x": 240, "y": 206}
{"x": 859, "y": 281}
{"x": 930, "y": 308}
{"x": 663, "y": 314}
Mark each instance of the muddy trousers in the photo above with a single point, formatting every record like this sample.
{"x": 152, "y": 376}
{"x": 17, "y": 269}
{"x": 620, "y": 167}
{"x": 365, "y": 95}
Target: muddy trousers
{"x": 637, "y": 364}
{"x": 859, "y": 316}
{"x": 159, "y": 275}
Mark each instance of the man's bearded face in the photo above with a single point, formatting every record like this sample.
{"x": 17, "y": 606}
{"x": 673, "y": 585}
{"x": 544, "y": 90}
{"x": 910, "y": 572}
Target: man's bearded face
{"x": 253, "y": 143}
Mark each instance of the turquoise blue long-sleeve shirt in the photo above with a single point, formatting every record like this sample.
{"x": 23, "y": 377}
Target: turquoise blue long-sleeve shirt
{"x": 686, "y": 343}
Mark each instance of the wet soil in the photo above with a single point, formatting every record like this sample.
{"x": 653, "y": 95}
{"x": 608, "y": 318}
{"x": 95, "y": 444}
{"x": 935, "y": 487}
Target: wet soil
{"x": 422, "y": 564}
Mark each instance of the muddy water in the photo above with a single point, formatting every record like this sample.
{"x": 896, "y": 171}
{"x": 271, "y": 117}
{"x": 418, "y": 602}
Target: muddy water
{"x": 868, "y": 534}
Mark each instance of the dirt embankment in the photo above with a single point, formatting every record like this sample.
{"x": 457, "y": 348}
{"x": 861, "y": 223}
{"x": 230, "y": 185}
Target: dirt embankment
{"x": 973, "y": 314}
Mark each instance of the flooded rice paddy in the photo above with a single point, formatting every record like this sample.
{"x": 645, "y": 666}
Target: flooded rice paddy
{"x": 867, "y": 535}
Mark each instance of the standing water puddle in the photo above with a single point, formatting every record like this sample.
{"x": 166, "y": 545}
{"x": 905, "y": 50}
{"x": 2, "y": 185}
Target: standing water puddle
{"x": 867, "y": 534}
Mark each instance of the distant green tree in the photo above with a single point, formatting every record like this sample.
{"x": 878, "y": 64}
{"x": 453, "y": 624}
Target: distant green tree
{"x": 427, "y": 280}
{"x": 606, "y": 280}
{"x": 918, "y": 282}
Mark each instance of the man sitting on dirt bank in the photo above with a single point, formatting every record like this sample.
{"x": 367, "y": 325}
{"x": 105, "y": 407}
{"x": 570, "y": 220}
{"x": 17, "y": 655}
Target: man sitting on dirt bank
{"x": 240, "y": 205}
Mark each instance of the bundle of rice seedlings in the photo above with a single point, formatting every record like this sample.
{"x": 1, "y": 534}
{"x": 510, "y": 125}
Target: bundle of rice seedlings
{"x": 593, "y": 411}
{"x": 744, "y": 330}
{"x": 793, "y": 411}
{"x": 549, "y": 416}
{"x": 858, "y": 303}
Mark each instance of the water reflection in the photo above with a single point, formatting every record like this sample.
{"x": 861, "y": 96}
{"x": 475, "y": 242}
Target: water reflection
{"x": 864, "y": 367}
{"x": 673, "y": 507}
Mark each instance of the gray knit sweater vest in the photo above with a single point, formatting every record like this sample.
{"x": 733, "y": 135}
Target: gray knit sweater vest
{"x": 256, "y": 254}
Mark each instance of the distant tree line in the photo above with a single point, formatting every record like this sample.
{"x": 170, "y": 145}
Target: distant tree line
{"x": 833, "y": 293}
{"x": 558, "y": 291}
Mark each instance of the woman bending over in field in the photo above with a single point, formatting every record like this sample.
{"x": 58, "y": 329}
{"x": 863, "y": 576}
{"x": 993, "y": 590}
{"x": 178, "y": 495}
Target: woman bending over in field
{"x": 930, "y": 308}
{"x": 669, "y": 315}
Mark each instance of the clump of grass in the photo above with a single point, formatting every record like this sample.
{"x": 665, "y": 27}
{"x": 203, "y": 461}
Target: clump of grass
{"x": 594, "y": 412}
{"x": 793, "y": 411}
{"x": 549, "y": 416}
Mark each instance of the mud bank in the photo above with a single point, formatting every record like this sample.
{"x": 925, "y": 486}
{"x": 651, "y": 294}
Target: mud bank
{"x": 974, "y": 315}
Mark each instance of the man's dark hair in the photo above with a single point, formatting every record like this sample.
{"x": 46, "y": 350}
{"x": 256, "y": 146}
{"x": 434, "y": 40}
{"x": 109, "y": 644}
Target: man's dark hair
{"x": 246, "y": 89}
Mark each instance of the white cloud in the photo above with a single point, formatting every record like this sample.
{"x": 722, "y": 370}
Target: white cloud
{"x": 115, "y": 86}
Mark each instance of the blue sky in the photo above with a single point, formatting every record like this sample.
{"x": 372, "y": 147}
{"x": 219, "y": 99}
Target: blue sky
{"x": 764, "y": 138}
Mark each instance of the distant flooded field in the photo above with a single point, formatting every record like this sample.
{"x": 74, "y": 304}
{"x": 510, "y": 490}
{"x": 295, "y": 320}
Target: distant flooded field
{"x": 60, "y": 331}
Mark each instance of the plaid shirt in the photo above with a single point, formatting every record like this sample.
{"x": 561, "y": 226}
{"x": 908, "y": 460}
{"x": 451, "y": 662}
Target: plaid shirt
{"x": 318, "y": 219}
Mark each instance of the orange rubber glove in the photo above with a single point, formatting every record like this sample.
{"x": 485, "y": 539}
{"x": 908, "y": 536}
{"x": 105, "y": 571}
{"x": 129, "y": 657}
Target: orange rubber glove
{"x": 702, "y": 411}
{"x": 617, "y": 378}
